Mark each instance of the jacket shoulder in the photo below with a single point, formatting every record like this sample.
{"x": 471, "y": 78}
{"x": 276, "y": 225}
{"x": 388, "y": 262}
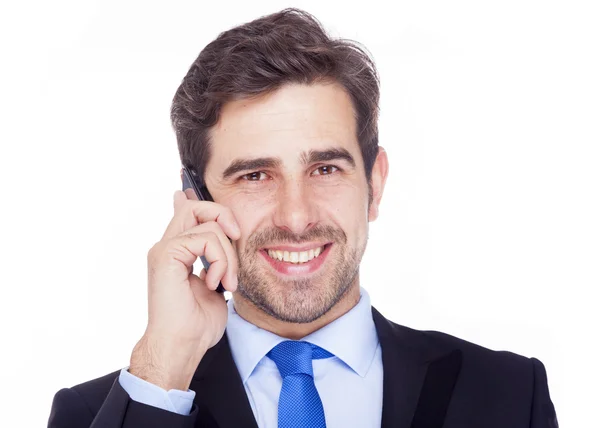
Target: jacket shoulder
{"x": 439, "y": 340}
{"x": 479, "y": 364}
{"x": 475, "y": 350}
{"x": 500, "y": 381}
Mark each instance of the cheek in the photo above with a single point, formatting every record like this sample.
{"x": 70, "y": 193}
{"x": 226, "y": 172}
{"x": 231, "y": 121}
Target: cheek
{"x": 250, "y": 214}
{"x": 346, "y": 207}
{"x": 344, "y": 200}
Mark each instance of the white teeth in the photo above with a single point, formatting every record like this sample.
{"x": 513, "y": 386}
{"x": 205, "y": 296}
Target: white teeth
{"x": 303, "y": 257}
{"x": 295, "y": 257}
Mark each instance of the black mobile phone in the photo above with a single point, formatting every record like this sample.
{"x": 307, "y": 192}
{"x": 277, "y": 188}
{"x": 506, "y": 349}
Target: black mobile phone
{"x": 190, "y": 180}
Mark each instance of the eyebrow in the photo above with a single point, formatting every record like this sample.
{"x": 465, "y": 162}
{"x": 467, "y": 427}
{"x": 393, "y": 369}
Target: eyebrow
{"x": 337, "y": 153}
{"x": 312, "y": 156}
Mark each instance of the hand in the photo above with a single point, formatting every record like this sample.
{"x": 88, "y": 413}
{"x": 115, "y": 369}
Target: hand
{"x": 186, "y": 316}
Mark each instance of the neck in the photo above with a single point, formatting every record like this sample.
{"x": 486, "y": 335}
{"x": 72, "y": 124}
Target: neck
{"x": 259, "y": 318}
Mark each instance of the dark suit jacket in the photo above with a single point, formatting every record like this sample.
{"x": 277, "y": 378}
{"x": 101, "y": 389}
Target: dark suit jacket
{"x": 430, "y": 379}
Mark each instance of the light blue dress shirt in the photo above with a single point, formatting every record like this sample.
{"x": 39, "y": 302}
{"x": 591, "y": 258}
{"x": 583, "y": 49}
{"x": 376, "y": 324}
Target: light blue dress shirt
{"x": 350, "y": 384}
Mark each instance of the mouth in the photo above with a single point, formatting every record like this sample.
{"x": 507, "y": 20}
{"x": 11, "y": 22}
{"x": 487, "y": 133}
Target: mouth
{"x": 302, "y": 262}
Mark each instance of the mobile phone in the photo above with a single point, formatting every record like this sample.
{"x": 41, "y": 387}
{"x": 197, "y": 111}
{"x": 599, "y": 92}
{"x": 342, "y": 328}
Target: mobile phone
{"x": 190, "y": 180}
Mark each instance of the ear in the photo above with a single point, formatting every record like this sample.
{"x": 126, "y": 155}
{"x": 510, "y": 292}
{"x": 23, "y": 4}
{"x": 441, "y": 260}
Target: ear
{"x": 378, "y": 179}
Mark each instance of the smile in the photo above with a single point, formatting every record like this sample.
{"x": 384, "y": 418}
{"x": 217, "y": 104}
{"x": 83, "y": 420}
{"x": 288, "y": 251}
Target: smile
{"x": 306, "y": 261}
{"x": 296, "y": 256}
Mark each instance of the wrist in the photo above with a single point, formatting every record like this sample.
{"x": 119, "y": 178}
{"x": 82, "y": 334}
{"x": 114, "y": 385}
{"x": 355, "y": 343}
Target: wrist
{"x": 164, "y": 363}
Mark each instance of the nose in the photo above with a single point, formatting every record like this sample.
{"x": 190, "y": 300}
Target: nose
{"x": 296, "y": 210}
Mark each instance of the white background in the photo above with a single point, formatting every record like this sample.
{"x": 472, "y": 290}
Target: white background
{"x": 489, "y": 224}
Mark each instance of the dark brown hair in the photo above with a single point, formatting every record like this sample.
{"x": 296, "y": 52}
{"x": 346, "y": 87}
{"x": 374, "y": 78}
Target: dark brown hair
{"x": 259, "y": 57}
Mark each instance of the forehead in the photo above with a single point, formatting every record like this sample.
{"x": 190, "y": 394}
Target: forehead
{"x": 291, "y": 120}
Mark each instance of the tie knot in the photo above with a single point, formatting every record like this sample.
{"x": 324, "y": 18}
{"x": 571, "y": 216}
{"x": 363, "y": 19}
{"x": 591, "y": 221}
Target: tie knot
{"x": 293, "y": 357}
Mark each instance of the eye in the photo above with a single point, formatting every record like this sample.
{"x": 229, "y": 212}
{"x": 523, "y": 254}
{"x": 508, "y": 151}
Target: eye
{"x": 254, "y": 176}
{"x": 325, "y": 170}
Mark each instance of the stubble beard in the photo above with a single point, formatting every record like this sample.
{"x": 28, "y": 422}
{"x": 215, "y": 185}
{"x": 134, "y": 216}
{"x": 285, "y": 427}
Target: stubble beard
{"x": 299, "y": 300}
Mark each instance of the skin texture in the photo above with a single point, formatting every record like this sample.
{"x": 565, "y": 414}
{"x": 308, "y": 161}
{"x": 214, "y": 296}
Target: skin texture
{"x": 295, "y": 203}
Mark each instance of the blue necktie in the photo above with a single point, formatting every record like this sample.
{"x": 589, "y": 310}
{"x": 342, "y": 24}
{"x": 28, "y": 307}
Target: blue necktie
{"x": 299, "y": 401}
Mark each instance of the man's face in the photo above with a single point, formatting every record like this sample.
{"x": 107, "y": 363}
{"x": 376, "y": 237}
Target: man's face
{"x": 289, "y": 166}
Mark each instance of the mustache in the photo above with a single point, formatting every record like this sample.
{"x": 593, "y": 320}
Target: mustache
{"x": 276, "y": 236}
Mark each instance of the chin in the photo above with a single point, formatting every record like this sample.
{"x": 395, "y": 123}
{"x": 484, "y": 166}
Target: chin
{"x": 298, "y": 301}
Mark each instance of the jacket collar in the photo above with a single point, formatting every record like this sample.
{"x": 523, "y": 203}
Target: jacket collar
{"x": 407, "y": 355}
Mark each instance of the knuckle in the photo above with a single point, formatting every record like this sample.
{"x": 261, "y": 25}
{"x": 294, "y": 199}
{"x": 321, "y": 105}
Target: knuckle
{"x": 213, "y": 240}
{"x": 209, "y": 238}
{"x": 175, "y": 252}
{"x": 208, "y": 235}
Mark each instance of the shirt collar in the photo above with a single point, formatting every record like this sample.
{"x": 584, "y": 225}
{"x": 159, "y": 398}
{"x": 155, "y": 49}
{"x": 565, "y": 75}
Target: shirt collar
{"x": 352, "y": 338}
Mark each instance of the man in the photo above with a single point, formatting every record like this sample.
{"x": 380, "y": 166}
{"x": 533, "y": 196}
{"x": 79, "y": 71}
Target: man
{"x": 278, "y": 124}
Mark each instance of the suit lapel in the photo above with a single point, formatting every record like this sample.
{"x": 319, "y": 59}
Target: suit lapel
{"x": 409, "y": 358}
{"x": 220, "y": 393}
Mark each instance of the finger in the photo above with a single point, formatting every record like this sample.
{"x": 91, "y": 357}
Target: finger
{"x": 232, "y": 260}
{"x": 192, "y": 213}
{"x": 186, "y": 249}
{"x": 190, "y": 194}
{"x": 179, "y": 198}
{"x": 202, "y": 293}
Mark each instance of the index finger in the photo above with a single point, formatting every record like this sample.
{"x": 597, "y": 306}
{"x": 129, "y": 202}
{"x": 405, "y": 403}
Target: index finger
{"x": 190, "y": 213}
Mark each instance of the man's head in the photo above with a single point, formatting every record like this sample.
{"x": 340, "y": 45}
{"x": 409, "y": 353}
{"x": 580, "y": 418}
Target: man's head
{"x": 280, "y": 122}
